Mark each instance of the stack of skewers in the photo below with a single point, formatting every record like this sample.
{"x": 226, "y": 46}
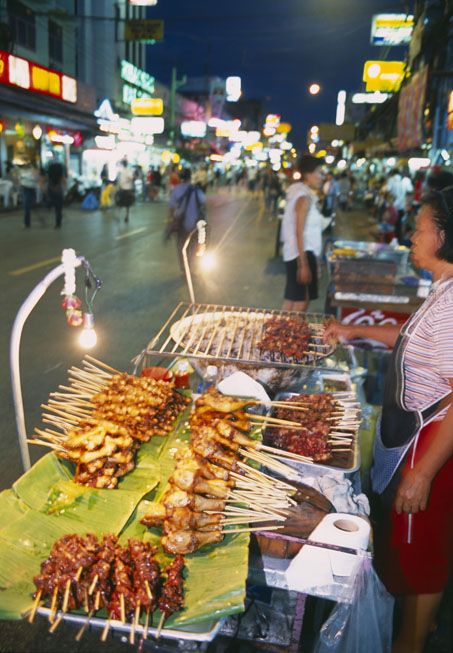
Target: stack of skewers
{"x": 103, "y": 417}
{"x": 328, "y": 421}
{"x": 213, "y": 490}
{"x": 292, "y": 339}
{"x": 83, "y": 573}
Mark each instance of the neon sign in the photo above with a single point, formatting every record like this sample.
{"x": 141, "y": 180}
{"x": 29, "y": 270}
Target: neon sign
{"x": 25, "y": 74}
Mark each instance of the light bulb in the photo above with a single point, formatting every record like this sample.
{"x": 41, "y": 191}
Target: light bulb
{"x": 88, "y": 337}
{"x": 207, "y": 262}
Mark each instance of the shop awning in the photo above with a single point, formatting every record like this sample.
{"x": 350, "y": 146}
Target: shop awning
{"x": 39, "y": 108}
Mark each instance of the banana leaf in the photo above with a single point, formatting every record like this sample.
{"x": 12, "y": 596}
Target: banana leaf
{"x": 216, "y": 575}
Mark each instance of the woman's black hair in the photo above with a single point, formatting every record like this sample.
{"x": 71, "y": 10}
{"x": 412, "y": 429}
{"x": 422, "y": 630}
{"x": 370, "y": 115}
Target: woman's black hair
{"x": 441, "y": 204}
{"x": 308, "y": 163}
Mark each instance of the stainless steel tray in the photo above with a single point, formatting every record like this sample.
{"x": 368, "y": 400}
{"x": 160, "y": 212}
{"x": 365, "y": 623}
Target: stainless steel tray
{"x": 205, "y": 631}
{"x": 349, "y": 461}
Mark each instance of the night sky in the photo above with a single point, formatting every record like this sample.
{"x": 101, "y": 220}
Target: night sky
{"x": 277, "y": 47}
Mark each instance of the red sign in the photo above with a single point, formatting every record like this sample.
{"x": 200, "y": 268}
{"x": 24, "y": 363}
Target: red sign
{"x": 371, "y": 317}
{"x": 30, "y": 76}
{"x": 410, "y": 112}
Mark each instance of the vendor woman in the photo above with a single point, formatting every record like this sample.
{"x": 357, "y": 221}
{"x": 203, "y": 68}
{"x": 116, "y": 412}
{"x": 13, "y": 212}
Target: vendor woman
{"x": 412, "y": 471}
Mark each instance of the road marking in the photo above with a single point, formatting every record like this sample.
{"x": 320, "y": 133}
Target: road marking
{"x": 34, "y": 266}
{"x": 225, "y": 235}
{"x": 131, "y": 233}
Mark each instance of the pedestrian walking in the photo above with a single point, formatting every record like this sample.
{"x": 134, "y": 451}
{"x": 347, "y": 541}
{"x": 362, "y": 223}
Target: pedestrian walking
{"x": 125, "y": 195}
{"x": 344, "y": 191}
{"x": 399, "y": 185}
{"x": 28, "y": 179}
{"x": 56, "y": 179}
{"x": 187, "y": 205}
{"x": 302, "y": 235}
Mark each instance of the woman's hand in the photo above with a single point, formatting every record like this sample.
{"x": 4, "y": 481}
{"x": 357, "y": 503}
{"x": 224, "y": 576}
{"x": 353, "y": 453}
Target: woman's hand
{"x": 303, "y": 273}
{"x": 336, "y": 332}
{"x": 413, "y": 492}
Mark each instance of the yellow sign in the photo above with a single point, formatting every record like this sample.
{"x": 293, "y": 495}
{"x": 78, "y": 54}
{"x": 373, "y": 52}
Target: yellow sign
{"x": 144, "y": 30}
{"x": 284, "y": 128}
{"x": 147, "y": 106}
{"x": 385, "y": 76}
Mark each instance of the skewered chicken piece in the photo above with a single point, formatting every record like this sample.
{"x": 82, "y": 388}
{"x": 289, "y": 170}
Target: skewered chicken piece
{"x": 183, "y": 542}
{"x": 178, "y": 518}
{"x": 198, "y": 503}
{"x": 188, "y": 480}
{"x": 215, "y": 400}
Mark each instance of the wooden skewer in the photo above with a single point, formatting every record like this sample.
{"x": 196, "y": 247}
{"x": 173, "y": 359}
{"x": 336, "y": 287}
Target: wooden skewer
{"x": 90, "y": 367}
{"x": 105, "y": 632}
{"x": 230, "y": 531}
{"x": 270, "y": 462}
{"x": 256, "y": 472}
{"x": 160, "y": 625}
{"x": 74, "y": 392}
{"x": 82, "y": 630}
{"x": 43, "y": 443}
{"x": 134, "y": 624}
{"x": 35, "y": 607}
{"x": 97, "y": 601}
{"x": 52, "y": 436}
{"x": 66, "y": 595}
{"x": 123, "y": 609}
{"x": 53, "y": 605}
{"x": 286, "y": 454}
{"x": 146, "y": 626}
{"x": 93, "y": 584}
{"x": 280, "y": 404}
{"x": 274, "y": 420}
{"x": 249, "y": 520}
{"x": 56, "y": 623}
{"x": 148, "y": 590}
{"x": 101, "y": 364}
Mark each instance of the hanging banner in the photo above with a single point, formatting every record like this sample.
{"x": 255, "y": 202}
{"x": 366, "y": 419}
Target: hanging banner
{"x": 391, "y": 29}
{"x": 410, "y": 112}
{"x": 385, "y": 76}
{"x": 144, "y": 31}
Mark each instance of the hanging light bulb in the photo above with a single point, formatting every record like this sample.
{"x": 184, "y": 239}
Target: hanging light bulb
{"x": 88, "y": 337}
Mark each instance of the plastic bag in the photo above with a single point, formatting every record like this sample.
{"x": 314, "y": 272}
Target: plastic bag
{"x": 365, "y": 624}
{"x": 90, "y": 203}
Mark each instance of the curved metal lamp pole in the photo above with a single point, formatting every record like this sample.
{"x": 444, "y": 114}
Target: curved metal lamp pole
{"x": 14, "y": 353}
{"x": 200, "y": 229}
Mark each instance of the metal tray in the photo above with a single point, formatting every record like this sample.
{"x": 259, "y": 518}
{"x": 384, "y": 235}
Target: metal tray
{"x": 205, "y": 631}
{"x": 346, "y": 463}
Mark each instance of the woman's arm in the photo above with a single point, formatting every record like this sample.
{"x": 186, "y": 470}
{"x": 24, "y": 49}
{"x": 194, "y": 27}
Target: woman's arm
{"x": 413, "y": 492}
{"x": 387, "y": 333}
{"x": 302, "y": 207}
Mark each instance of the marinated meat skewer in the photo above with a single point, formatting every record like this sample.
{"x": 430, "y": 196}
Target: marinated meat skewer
{"x": 172, "y": 597}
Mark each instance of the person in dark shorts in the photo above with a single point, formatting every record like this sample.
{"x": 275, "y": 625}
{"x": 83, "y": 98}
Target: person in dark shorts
{"x": 56, "y": 185}
{"x": 302, "y": 235}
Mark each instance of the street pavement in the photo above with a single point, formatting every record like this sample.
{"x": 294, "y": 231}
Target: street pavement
{"x": 142, "y": 285}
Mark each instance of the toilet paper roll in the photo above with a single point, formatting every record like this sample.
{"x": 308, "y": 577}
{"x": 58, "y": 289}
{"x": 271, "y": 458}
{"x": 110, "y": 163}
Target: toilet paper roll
{"x": 343, "y": 530}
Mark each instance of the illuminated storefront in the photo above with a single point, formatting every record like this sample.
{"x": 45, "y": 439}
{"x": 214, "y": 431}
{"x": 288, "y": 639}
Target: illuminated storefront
{"x": 45, "y": 113}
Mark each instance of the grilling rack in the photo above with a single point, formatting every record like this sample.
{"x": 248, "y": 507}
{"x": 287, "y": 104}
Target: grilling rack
{"x": 230, "y": 334}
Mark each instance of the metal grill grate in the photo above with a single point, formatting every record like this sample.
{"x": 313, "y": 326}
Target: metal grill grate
{"x": 231, "y": 334}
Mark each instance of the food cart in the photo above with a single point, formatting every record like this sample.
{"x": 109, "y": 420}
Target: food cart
{"x": 115, "y": 497}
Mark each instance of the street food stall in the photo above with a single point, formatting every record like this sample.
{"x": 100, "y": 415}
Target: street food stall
{"x": 231, "y": 451}
{"x": 373, "y": 282}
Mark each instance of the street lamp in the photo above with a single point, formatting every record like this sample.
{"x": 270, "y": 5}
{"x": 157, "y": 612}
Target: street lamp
{"x": 70, "y": 262}
{"x": 207, "y": 259}
{"x": 314, "y": 88}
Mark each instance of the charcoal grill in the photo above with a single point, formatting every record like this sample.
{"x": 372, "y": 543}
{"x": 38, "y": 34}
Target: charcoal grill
{"x": 228, "y": 336}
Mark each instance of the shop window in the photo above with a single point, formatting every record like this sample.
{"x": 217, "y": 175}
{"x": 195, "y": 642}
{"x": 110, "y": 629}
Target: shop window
{"x": 22, "y": 22}
{"x": 55, "y": 42}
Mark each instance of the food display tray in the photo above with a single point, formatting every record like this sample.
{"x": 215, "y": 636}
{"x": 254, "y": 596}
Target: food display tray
{"x": 347, "y": 462}
{"x": 202, "y": 632}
